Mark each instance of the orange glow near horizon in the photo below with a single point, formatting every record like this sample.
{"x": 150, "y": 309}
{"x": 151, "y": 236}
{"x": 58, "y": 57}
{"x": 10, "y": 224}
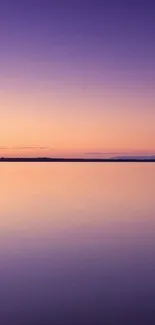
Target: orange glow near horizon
{"x": 74, "y": 124}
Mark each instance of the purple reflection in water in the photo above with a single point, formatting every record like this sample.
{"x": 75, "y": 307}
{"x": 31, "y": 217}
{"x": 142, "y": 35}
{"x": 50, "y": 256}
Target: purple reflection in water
{"x": 98, "y": 269}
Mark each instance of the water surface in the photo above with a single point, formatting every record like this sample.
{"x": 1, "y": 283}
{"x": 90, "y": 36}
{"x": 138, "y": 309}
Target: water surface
{"x": 77, "y": 243}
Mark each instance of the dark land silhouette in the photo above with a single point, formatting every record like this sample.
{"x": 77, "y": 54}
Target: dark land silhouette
{"x": 48, "y": 159}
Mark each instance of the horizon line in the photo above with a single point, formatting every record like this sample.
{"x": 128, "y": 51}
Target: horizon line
{"x": 62, "y": 159}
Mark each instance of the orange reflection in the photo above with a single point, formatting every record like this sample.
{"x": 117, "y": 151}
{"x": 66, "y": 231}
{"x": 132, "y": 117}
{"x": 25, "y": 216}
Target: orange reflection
{"x": 45, "y": 197}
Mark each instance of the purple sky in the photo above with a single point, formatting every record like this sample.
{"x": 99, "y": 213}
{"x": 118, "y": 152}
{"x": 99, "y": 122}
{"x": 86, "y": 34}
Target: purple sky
{"x": 68, "y": 55}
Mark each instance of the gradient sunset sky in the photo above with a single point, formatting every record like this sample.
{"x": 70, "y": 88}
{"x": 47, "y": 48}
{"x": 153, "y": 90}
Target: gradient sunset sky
{"x": 77, "y": 78}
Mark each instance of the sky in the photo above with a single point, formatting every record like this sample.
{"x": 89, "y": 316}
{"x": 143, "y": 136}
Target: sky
{"x": 77, "y": 78}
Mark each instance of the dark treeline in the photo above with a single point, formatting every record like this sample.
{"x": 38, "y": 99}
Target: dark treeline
{"x": 47, "y": 159}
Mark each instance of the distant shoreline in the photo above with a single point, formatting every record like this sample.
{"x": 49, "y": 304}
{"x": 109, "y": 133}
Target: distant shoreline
{"x": 114, "y": 160}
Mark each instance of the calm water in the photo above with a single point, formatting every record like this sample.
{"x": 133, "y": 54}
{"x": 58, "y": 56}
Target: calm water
{"x": 77, "y": 244}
